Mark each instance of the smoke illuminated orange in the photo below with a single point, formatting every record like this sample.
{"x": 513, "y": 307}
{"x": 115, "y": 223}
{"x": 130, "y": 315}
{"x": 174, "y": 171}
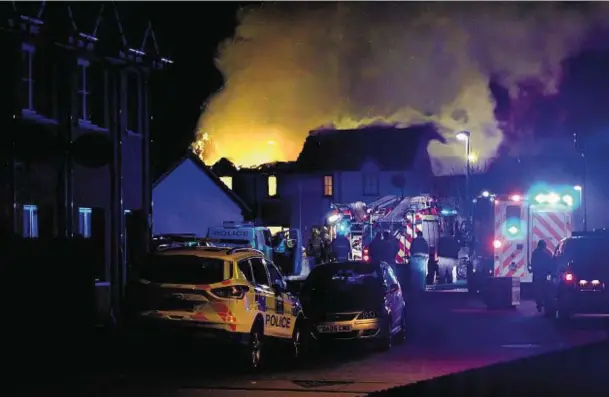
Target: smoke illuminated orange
{"x": 294, "y": 67}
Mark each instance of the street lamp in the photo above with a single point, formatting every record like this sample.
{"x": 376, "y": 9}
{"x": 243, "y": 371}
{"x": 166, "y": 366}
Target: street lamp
{"x": 465, "y": 137}
{"x": 582, "y": 205}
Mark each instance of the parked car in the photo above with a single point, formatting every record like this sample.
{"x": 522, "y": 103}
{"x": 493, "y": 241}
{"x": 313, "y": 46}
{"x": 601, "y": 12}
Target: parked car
{"x": 355, "y": 301}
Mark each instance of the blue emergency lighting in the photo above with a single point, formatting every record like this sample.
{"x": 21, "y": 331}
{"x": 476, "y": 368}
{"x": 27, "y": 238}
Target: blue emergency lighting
{"x": 485, "y": 194}
{"x": 513, "y": 230}
{"x": 446, "y": 212}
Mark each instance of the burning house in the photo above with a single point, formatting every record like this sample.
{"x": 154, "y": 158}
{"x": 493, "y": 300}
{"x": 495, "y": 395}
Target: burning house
{"x": 337, "y": 166}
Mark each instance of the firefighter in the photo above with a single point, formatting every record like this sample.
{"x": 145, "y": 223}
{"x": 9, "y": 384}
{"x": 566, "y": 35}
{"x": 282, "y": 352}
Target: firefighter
{"x": 341, "y": 247}
{"x": 375, "y": 248}
{"x": 419, "y": 256}
{"x": 389, "y": 248}
{"x": 280, "y": 256}
{"x": 541, "y": 265}
{"x": 326, "y": 246}
{"x": 315, "y": 247}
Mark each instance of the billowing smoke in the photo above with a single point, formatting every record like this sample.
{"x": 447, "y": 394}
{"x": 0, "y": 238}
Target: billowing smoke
{"x": 294, "y": 67}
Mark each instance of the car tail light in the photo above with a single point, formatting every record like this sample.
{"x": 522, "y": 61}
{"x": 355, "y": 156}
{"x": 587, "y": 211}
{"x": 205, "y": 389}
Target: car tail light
{"x": 235, "y": 292}
{"x": 569, "y": 277}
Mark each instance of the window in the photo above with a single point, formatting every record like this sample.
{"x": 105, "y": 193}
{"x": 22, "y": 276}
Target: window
{"x": 184, "y": 269}
{"x": 272, "y": 185}
{"x": 30, "y": 221}
{"x": 27, "y": 77}
{"x": 228, "y": 181}
{"x": 260, "y": 275}
{"x": 328, "y": 186}
{"x": 275, "y": 276}
{"x": 246, "y": 269}
{"x": 268, "y": 238}
{"x": 96, "y": 88}
{"x": 371, "y": 183}
{"x": 512, "y": 219}
{"x": 83, "y": 90}
{"x": 84, "y": 222}
{"x": 133, "y": 102}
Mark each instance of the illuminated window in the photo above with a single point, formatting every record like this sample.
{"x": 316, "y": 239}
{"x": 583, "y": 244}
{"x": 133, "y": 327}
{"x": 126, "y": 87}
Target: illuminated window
{"x": 84, "y": 222}
{"x": 272, "y": 182}
{"x": 228, "y": 181}
{"x": 30, "y": 221}
{"x": 328, "y": 186}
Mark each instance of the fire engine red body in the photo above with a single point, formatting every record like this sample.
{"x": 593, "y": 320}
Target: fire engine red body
{"x": 510, "y": 227}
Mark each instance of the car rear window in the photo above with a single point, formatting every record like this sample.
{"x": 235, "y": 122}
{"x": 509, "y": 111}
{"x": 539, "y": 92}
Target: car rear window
{"x": 184, "y": 269}
{"x": 588, "y": 252}
{"x": 345, "y": 273}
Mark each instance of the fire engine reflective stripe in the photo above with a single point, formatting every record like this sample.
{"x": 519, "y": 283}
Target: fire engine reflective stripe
{"x": 550, "y": 227}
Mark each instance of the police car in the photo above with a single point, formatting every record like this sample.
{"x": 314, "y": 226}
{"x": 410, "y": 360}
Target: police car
{"x": 220, "y": 293}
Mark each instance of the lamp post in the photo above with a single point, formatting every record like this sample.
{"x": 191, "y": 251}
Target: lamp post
{"x": 465, "y": 137}
{"x": 582, "y": 206}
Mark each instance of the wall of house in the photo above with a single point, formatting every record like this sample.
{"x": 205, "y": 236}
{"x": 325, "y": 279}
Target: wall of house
{"x": 188, "y": 201}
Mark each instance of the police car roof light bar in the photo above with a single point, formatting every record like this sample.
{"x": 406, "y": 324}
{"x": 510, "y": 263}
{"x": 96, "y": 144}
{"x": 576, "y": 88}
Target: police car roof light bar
{"x": 243, "y": 249}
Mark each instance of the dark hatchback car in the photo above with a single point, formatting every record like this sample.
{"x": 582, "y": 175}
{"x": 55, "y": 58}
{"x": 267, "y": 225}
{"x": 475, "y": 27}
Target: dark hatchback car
{"x": 578, "y": 284}
{"x": 354, "y": 301}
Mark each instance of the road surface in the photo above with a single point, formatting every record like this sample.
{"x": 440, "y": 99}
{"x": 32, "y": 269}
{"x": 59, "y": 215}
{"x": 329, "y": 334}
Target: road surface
{"x": 450, "y": 332}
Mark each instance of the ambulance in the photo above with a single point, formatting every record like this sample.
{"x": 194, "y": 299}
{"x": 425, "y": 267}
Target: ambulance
{"x": 507, "y": 228}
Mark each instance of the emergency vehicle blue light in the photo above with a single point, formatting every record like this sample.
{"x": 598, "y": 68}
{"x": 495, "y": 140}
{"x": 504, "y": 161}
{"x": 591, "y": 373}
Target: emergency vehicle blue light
{"x": 448, "y": 212}
{"x": 485, "y": 194}
{"x": 568, "y": 200}
{"x": 513, "y": 230}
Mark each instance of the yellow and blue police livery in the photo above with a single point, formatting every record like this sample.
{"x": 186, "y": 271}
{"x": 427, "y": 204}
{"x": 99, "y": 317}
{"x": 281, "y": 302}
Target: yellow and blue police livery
{"x": 221, "y": 293}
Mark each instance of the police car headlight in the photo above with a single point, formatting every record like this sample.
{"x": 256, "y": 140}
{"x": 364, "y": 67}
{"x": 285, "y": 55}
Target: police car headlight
{"x": 367, "y": 315}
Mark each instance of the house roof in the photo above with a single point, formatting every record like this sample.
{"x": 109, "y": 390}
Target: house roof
{"x": 391, "y": 147}
{"x": 190, "y": 155}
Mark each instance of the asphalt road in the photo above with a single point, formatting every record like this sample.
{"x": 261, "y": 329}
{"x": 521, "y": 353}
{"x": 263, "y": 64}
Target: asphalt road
{"x": 450, "y": 332}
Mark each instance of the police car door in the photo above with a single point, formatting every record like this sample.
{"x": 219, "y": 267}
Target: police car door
{"x": 285, "y": 305}
{"x": 265, "y": 296}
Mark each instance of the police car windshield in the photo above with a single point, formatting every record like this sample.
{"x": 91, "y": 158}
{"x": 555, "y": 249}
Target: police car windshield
{"x": 184, "y": 269}
{"x": 341, "y": 287}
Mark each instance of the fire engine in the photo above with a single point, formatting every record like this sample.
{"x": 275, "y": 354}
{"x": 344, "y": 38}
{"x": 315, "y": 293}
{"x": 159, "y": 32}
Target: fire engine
{"x": 401, "y": 216}
{"x": 507, "y": 228}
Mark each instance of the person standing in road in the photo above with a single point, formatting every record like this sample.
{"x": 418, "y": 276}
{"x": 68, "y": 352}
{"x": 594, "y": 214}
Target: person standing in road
{"x": 390, "y": 249}
{"x": 419, "y": 256}
{"x": 341, "y": 248}
{"x": 375, "y": 248}
{"x": 315, "y": 247}
{"x": 541, "y": 265}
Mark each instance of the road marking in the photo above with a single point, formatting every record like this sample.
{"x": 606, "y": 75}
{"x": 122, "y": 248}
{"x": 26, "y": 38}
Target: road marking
{"x": 522, "y": 346}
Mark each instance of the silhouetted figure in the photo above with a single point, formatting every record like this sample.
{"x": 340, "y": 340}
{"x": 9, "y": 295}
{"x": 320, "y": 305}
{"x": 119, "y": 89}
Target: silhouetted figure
{"x": 541, "y": 265}
{"x": 315, "y": 247}
{"x": 341, "y": 248}
{"x": 389, "y": 249}
{"x": 375, "y": 248}
{"x": 419, "y": 256}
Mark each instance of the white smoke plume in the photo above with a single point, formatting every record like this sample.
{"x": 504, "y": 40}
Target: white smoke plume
{"x": 294, "y": 67}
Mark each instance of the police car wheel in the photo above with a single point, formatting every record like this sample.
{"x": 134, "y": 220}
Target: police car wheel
{"x": 297, "y": 338}
{"x": 255, "y": 348}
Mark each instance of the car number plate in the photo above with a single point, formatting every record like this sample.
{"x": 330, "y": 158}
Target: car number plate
{"x": 334, "y": 328}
